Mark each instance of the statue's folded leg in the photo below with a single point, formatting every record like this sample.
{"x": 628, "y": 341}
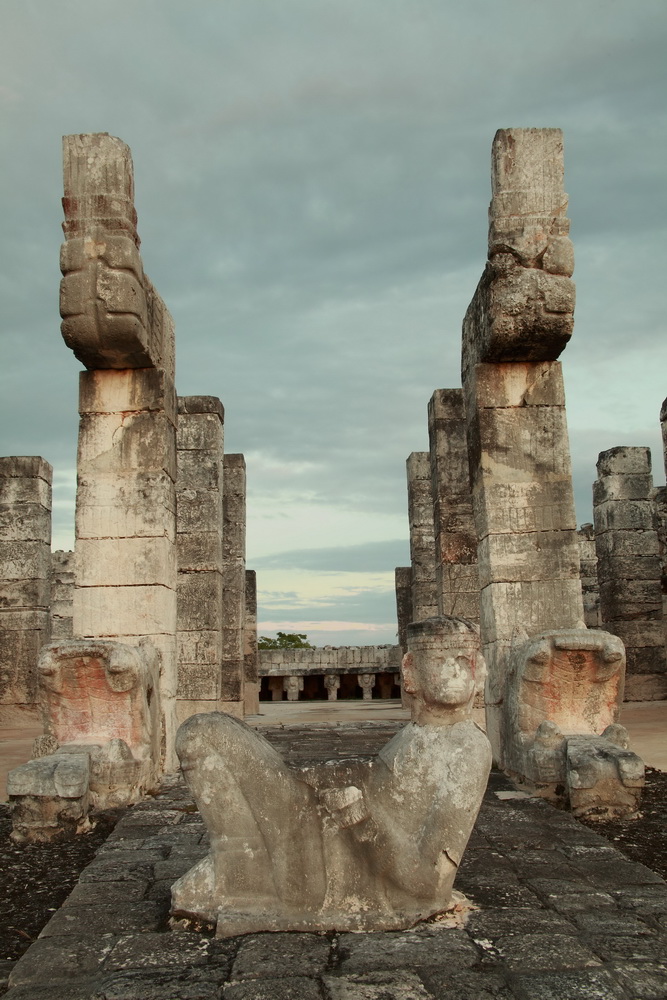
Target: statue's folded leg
{"x": 263, "y": 821}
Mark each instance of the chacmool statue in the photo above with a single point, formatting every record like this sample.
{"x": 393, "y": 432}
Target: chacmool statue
{"x": 351, "y": 845}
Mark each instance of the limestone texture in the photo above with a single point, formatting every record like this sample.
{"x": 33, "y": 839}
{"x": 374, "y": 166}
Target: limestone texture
{"x": 457, "y": 580}
{"x": 629, "y": 566}
{"x": 355, "y": 845}
{"x": 25, "y": 577}
{"x": 424, "y": 598}
{"x": 562, "y": 699}
{"x": 199, "y": 498}
{"x": 112, "y": 317}
{"x": 234, "y": 581}
{"x": 118, "y": 327}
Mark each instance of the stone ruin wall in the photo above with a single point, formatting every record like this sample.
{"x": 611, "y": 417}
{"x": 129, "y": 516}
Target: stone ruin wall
{"x": 331, "y": 671}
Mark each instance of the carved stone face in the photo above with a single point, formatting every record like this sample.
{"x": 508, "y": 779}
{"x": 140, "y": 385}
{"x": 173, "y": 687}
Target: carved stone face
{"x": 443, "y": 677}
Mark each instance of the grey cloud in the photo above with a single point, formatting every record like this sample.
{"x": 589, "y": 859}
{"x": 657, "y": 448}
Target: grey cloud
{"x": 371, "y": 557}
{"x": 312, "y": 184}
{"x": 362, "y": 606}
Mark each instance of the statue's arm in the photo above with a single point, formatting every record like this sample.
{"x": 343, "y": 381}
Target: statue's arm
{"x": 413, "y": 860}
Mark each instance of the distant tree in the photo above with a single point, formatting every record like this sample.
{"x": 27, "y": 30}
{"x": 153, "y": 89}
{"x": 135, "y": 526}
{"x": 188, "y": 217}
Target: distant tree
{"x": 285, "y": 640}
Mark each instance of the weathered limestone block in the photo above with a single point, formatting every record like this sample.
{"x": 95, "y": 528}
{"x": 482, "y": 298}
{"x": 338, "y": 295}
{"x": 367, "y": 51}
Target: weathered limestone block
{"x": 422, "y": 536}
{"x": 234, "y": 581}
{"x": 62, "y": 594}
{"x": 629, "y": 566}
{"x": 357, "y": 845}
{"x": 112, "y": 315}
{"x": 250, "y": 650}
{"x": 523, "y": 307}
{"x": 25, "y": 578}
{"x": 518, "y": 323}
{"x": 528, "y": 551}
{"x": 562, "y": 700}
{"x": 104, "y": 696}
{"x": 456, "y": 575}
{"x": 366, "y": 682}
{"x": 604, "y": 778}
{"x": 199, "y": 497}
{"x": 49, "y": 798}
{"x": 126, "y": 519}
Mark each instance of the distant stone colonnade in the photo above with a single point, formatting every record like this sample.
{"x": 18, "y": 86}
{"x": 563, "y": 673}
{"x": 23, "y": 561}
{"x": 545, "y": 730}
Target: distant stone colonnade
{"x": 330, "y": 672}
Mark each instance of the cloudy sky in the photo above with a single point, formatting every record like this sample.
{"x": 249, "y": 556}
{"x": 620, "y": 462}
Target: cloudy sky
{"x": 312, "y": 183}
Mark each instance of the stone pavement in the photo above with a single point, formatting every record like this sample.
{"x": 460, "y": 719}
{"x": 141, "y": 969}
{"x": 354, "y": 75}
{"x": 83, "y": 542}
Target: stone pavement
{"x": 561, "y": 915}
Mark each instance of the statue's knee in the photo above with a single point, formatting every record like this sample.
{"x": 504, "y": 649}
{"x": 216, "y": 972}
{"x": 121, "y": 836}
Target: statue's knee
{"x": 200, "y": 734}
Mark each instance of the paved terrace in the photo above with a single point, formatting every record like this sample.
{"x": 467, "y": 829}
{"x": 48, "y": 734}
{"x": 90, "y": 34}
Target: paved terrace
{"x": 560, "y": 914}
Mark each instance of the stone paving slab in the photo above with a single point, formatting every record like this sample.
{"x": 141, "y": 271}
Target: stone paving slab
{"x": 561, "y": 915}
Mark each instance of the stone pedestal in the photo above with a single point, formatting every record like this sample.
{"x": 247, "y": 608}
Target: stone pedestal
{"x": 424, "y": 599}
{"x": 199, "y": 499}
{"x": 629, "y": 568}
{"x": 25, "y": 579}
{"x": 457, "y": 580}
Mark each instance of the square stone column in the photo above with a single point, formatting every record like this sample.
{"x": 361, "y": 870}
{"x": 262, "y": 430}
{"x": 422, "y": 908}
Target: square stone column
{"x": 629, "y": 570}
{"x": 588, "y": 572}
{"x": 234, "y": 585}
{"x": 25, "y": 577}
{"x": 457, "y": 580}
{"x": 62, "y": 594}
{"x": 199, "y": 495}
{"x": 422, "y": 536}
{"x": 250, "y": 651}
{"x": 403, "y": 587}
{"x": 519, "y": 321}
{"x": 119, "y": 328}
{"x": 126, "y": 517}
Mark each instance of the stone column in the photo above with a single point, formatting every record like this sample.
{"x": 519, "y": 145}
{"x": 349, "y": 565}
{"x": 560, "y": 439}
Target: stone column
{"x": 663, "y": 428}
{"x": 366, "y": 682}
{"x": 233, "y": 585}
{"x": 457, "y": 580}
{"x": 518, "y": 323}
{"x": 332, "y": 684}
{"x": 293, "y": 685}
{"x": 199, "y": 493}
{"x": 629, "y": 568}
{"x": 118, "y": 327}
{"x": 250, "y": 651}
{"x": 422, "y": 536}
{"x": 25, "y": 571}
{"x": 588, "y": 571}
{"x": 62, "y": 594}
{"x": 403, "y": 586}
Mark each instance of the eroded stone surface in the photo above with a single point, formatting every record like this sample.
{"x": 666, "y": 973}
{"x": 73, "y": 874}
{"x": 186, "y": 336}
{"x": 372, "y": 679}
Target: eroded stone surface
{"x": 356, "y": 845}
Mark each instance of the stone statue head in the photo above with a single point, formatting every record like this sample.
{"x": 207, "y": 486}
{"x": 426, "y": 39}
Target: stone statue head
{"x": 443, "y": 668}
